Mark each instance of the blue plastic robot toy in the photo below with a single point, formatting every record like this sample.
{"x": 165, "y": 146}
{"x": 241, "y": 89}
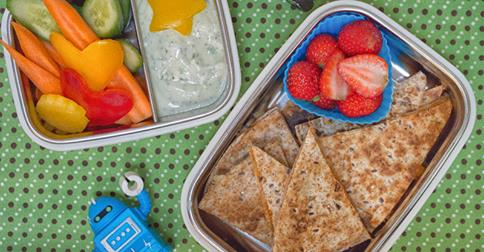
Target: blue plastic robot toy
{"x": 118, "y": 228}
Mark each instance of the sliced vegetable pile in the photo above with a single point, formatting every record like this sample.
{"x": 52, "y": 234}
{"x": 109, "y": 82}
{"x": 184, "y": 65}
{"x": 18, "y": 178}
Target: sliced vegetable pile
{"x": 80, "y": 82}
{"x": 344, "y": 72}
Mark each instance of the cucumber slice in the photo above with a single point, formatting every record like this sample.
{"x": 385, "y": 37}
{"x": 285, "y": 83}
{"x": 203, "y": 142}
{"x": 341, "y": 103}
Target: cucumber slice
{"x": 34, "y": 15}
{"x": 104, "y": 16}
{"x": 126, "y": 7}
{"x": 132, "y": 56}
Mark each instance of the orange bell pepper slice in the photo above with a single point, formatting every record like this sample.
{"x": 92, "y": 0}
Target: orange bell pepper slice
{"x": 97, "y": 63}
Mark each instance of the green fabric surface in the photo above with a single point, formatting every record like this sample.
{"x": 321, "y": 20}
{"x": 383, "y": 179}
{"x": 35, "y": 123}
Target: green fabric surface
{"x": 44, "y": 194}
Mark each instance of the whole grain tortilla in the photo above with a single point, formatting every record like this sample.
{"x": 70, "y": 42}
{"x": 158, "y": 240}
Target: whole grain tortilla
{"x": 377, "y": 163}
{"x": 234, "y": 197}
{"x": 269, "y": 128}
{"x": 316, "y": 214}
{"x": 271, "y": 177}
{"x": 408, "y": 95}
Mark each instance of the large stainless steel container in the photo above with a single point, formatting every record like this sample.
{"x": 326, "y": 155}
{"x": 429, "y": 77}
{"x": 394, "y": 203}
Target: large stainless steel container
{"x": 167, "y": 124}
{"x": 409, "y": 56}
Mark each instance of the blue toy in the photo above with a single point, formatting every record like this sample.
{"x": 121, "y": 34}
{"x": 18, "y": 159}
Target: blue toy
{"x": 118, "y": 228}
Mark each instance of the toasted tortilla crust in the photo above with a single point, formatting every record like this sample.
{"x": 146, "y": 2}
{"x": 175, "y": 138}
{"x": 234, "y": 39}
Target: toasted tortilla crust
{"x": 269, "y": 128}
{"x": 408, "y": 96}
{"x": 234, "y": 197}
{"x": 272, "y": 178}
{"x": 377, "y": 163}
{"x": 316, "y": 214}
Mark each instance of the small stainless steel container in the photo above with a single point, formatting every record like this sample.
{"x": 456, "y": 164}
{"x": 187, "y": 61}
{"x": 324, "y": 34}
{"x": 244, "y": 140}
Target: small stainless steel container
{"x": 169, "y": 124}
{"x": 409, "y": 56}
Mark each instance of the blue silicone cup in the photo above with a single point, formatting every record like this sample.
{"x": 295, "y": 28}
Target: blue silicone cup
{"x": 332, "y": 25}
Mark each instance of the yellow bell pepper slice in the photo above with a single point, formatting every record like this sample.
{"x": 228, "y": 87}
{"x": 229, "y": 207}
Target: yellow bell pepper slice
{"x": 97, "y": 63}
{"x": 62, "y": 113}
{"x": 177, "y": 15}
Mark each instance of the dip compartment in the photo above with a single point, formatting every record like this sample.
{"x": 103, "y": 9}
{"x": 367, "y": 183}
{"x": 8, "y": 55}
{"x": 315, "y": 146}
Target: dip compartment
{"x": 187, "y": 76}
{"x": 409, "y": 55}
{"x": 161, "y": 125}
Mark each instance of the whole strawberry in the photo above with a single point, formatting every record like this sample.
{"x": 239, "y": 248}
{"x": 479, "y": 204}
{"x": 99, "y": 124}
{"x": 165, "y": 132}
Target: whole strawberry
{"x": 303, "y": 80}
{"x": 320, "y": 49}
{"x": 325, "y": 103}
{"x": 360, "y": 37}
{"x": 356, "y": 105}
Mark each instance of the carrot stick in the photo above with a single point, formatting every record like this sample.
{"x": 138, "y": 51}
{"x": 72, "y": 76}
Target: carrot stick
{"x": 54, "y": 54}
{"x": 34, "y": 50}
{"x": 71, "y": 23}
{"x": 76, "y": 30}
{"x": 141, "y": 108}
{"x": 42, "y": 79}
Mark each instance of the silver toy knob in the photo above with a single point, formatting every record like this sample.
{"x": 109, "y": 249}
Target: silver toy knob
{"x": 134, "y": 189}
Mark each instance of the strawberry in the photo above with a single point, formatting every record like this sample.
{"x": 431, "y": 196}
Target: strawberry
{"x": 331, "y": 84}
{"x": 303, "y": 80}
{"x": 325, "y": 103}
{"x": 356, "y": 105}
{"x": 320, "y": 49}
{"x": 360, "y": 37}
{"x": 366, "y": 74}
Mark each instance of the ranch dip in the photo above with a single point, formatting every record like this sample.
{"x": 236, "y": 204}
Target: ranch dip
{"x": 186, "y": 72}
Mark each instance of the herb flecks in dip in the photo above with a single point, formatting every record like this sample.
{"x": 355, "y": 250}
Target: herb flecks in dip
{"x": 186, "y": 72}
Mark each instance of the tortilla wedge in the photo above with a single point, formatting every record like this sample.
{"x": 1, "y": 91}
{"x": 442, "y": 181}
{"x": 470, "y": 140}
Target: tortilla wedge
{"x": 271, "y": 178}
{"x": 234, "y": 197}
{"x": 271, "y": 127}
{"x": 316, "y": 214}
{"x": 377, "y": 163}
{"x": 408, "y": 96}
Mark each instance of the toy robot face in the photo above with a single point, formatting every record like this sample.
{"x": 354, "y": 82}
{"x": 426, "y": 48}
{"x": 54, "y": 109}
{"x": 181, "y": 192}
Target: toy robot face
{"x": 103, "y": 211}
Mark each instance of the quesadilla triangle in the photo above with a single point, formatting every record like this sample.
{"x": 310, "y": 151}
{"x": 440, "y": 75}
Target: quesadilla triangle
{"x": 235, "y": 199}
{"x": 316, "y": 214}
{"x": 377, "y": 163}
{"x": 271, "y": 127}
{"x": 408, "y": 95}
{"x": 271, "y": 177}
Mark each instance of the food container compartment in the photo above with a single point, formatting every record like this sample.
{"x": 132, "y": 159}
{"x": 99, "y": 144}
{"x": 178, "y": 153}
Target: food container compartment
{"x": 161, "y": 125}
{"x": 409, "y": 55}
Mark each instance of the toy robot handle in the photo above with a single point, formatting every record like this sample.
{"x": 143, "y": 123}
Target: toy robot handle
{"x": 144, "y": 203}
{"x": 137, "y": 191}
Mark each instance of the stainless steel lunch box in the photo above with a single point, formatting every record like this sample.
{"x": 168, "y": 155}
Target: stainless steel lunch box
{"x": 409, "y": 56}
{"x": 169, "y": 124}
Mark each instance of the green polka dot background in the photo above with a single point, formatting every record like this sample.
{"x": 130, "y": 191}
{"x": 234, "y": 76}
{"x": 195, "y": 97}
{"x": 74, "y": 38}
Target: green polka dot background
{"x": 44, "y": 195}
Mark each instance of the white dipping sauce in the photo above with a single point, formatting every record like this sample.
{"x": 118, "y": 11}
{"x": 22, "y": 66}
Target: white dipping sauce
{"x": 186, "y": 72}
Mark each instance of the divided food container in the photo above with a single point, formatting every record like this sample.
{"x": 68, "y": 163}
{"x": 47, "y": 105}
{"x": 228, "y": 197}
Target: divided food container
{"x": 409, "y": 55}
{"x": 161, "y": 125}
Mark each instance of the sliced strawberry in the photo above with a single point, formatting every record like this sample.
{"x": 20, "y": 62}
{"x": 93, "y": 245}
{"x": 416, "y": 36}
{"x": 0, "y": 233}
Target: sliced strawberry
{"x": 356, "y": 105}
{"x": 366, "y": 74}
{"x": 331, "y": 84}
{"x": 360, "y": 37}
{"x": 303, "y": 80}
{"x": 325, "y": 103}
{"x": 320, "y": 49}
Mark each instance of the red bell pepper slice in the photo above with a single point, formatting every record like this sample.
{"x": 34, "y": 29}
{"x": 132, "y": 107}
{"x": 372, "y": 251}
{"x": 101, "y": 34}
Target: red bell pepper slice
{"x": 104, "y": 107}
